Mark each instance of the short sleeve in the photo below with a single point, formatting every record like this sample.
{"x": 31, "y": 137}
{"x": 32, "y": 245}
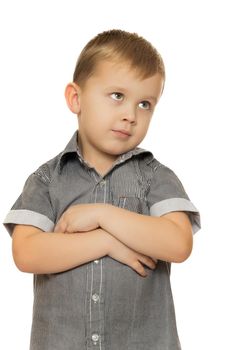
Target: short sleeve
{"x": 167, "y": 194}
{"x": 33, "y": 207}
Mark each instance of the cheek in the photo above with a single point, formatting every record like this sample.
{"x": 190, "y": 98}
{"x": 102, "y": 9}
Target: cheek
{"x": 144, "y": 125}
{"x": 100, "y": 111}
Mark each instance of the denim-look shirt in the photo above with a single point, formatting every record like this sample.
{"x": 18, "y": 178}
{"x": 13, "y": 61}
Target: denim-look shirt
{"x": 103, "y": 304}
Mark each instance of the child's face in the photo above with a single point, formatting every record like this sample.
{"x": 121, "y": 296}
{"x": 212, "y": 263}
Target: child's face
{"x": 115, "y": 110}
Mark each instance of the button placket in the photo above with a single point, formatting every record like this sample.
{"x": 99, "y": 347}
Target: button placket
{"x": 95, "y": 304}
{"x": 96, "y": 311}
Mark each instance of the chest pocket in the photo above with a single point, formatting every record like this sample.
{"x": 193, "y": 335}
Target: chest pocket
{"x": 130, "y": 187}
{"x": 131, "y": 203}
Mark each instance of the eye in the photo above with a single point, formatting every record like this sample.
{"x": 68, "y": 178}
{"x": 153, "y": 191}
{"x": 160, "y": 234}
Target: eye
{"x": 148, "y": 104}
{"x": 117, "y": 94}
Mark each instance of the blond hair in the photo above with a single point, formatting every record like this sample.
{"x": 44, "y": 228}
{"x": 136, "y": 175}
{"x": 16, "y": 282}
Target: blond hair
{"x": 118, "y": 45}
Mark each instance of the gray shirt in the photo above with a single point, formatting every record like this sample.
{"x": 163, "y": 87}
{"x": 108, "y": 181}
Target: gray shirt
{"x": 102, "y": 304}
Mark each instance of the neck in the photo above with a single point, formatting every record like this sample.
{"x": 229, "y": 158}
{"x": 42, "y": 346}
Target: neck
{"x": 101, "y": 161}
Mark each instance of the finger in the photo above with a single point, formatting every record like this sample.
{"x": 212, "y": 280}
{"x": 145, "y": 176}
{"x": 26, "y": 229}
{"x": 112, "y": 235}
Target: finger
{"x": 138, "y": 267}
{"x": 70, "y": 228}
{"x": 60, "y": 227}
{"x": 146, "y": 260}
{"x": 56, "y": 228}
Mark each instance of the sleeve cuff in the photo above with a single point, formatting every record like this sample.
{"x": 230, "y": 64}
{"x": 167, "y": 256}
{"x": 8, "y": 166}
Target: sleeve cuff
{"x": 27, "y": 217}
{"x": 178, "y": 204}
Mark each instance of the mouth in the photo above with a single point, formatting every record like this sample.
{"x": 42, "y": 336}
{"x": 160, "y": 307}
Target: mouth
{"x": 122, "y": 133}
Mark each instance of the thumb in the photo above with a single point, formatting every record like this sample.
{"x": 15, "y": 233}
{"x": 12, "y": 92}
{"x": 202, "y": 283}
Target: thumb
{"x": 60, "y": 227}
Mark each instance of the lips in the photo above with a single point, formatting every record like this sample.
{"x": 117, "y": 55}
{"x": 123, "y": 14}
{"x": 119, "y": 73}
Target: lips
{"x": 123, "y": 132}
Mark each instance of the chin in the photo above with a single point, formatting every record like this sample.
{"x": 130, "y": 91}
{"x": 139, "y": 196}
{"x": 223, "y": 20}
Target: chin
{"x": 120, "y": 150}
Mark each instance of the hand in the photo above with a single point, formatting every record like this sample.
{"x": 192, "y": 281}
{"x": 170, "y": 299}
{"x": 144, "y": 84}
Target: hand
{"x": 78, "y": 218}
{"x": 120, "y": 252}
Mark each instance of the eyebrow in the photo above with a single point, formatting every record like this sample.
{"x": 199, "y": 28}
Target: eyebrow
{"x": 116, "y": 88}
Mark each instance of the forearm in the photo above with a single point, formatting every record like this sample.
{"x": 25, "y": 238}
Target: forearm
{"x": 44, "y": 253}
{"x": 156, "y": 237}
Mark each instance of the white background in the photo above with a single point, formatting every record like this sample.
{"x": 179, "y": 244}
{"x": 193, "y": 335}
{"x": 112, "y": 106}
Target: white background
{"x": 191, "y": 132}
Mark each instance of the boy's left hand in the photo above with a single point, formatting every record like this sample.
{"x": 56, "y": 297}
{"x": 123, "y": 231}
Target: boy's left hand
{"x": 78, "y": 218}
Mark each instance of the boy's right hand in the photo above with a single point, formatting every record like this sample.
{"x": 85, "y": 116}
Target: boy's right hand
{"x": 119, "y": 251}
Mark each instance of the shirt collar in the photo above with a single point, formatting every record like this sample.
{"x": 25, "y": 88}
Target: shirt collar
{"x": 72, "y": 148}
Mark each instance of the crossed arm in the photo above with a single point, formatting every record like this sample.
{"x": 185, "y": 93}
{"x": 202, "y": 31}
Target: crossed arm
{"x": 86, "y": 232}
{"x": 168, "y": 237}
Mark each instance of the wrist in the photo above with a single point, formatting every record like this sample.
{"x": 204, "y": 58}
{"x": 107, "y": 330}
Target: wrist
{"x": 107, "y": 240}
{"x": 102, "y": 211}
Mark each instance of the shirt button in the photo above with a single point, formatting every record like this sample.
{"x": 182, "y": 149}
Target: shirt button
{"x": 95, "y": 337}
{"x": 96, "y": 261}
{"x": 95, "y": 297}
{"x": 102, "y": 183}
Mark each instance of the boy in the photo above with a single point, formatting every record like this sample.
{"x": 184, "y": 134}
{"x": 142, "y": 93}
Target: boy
{"x": 100, "y": 224}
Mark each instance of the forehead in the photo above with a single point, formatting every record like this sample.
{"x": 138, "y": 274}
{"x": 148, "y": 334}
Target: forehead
{"x": 119, "y": 75}
{"x": 107, "y": 70}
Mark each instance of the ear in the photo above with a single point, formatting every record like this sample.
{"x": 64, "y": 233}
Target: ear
{"x": 72, "y": 97}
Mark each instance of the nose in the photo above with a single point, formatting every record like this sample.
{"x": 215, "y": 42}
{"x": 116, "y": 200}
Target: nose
{"x": 129, "y": 115}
